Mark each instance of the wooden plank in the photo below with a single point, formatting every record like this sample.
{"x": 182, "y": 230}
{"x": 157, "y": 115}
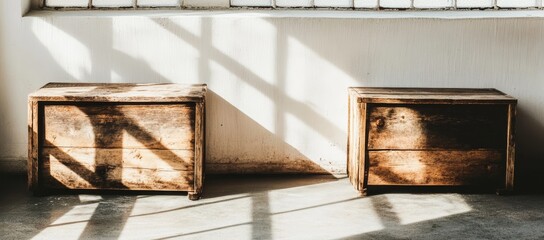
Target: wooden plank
{"x": 353, "y": 144}
{"x": 427, "y": 100}
{"x": 349, "y": 149}
{"x": 131, "y": 158}
{"x": 437, "y": 127}
{"x": 120, "y": 92}
{"x": 58, "y": 175}
{"x": 433, "y": 96}
{"x": 33, "y": 129}
{"x": 477, "y": 167}
{"x": 510, "y": 147}
{"x": 199, "y": 151}
{"x": 433, "y": 91}
{"x": 152, "y": 126}
{"x": 363, "y": 145}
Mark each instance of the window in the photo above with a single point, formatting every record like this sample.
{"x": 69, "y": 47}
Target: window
{"x": 99, "y": 4}
{"x": 348, "y": 4}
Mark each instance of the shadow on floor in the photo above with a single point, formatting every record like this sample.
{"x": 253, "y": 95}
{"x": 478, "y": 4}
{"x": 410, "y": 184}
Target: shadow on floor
{"x": 104, "y": 214}
{"x": 222, "y": 185}
{"x": 268, "y": 207}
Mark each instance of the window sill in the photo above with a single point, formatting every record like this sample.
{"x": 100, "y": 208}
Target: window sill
{"x": 293, "y": 13}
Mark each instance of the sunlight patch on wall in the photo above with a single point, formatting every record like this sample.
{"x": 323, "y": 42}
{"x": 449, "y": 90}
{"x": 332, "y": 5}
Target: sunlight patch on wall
{"x": 419, "y": 208}
{"x": 306, "y": 69}
{"x": 246, "y": 48}
{"x": 297, "y": 133}
{"x": 307, "y": 138}
{"x": 255, "y": 102}
{"x": 316, "y": 81}
{"x": 257, "y": 105}
{"x": 243, "y": 67}
{"x": 70, "y": 225}
{"x": 68, "y": 52}
{"x": 116, "y": 77}
{"x": 154, "y": 50}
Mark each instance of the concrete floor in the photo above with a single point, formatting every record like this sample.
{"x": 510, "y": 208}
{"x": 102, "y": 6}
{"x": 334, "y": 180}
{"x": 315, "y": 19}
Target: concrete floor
{"x": 268, "y": 207}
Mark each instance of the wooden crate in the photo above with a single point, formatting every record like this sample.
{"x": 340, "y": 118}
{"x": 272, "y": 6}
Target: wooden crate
{"x": 117, "y": 137}
{"x": 431, "y": 137}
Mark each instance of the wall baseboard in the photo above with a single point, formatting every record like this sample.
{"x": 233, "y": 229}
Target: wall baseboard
{"x": 13, "y": 165}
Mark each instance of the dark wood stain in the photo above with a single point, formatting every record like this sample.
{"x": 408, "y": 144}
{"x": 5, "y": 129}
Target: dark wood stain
{"x": 437, "y": 126}
{"x": 435, "y": 168}
{"x": 431, "y": 137}
{"x": 117, "y": 137}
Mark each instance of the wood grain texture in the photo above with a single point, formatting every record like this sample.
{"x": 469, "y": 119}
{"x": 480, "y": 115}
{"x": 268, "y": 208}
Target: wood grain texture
{"x": 117, "y": 169}
{"x": 451, "y": 168}
{"x": 433, "y": 137}
{"x": 357, "y": 142}
{"x": 437, "y": 126}
{"x": 352, "y": 161}
{"x": 131, "y": 158}
{"x": 119, "y": 146}
{"x": 433, "y": 96}
{"x": 120, "y": 92}
{"x": 151, "y": 126}
{"x": 363, "y": 148}
{"x": 32, "y": 165}
{"x": 57, "y": 175}
{"x": 354, "y": 143}
{"x": 511, "y": 147}
{"x": 117, "y": 136}
{"x": 199, "y": 150}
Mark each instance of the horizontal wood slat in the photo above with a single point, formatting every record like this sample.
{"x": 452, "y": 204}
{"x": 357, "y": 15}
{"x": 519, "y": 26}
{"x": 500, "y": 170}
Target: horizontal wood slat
{"x": 436, "y": 127}
{"x": 477, "y": 167}
{"x": 448, "y": 92}
{"x": 150, "y": 126}
{"x": 120, "y": 92}
{"x": 118, "y": 169}
{"x": 432, "y": 95}
{"x": 131, "y": 158}
{"x": 57, "y": 175}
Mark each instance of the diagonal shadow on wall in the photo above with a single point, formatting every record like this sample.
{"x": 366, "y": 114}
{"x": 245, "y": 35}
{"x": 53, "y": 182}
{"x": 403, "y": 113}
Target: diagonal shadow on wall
{"x": 412, "y": 52}
{"x": 122, "y": 64}
{"x": 242, "y": 135}
{"x": 302, "y": 111}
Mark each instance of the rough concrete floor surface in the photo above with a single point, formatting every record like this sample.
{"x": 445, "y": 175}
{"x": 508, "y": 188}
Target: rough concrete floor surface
{"x": 268, "y": 207}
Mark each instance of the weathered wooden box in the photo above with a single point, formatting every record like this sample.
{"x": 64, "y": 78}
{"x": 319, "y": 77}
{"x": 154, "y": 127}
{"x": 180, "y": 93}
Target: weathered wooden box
{"x": 431, "y": 137}
{"x": 117, "y": 136}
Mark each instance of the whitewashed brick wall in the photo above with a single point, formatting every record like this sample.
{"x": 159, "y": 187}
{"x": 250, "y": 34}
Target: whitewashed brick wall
{"x": 400, "y": 4}
{"x": 357, "y": 4}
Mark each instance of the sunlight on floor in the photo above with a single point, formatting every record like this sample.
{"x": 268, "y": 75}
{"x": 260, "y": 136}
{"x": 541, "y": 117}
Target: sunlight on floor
{"x": 175, "y": 216}
{"x": 324, "y": 209}
{"x": 413, "y": 208}
{"x": 321, "y": 211}
{"x": 71, "y": 224}
{"x": 86, "y": 198}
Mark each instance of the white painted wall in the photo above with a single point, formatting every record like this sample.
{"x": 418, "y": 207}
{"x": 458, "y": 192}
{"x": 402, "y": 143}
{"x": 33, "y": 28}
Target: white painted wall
{"x": 278, "y": 100}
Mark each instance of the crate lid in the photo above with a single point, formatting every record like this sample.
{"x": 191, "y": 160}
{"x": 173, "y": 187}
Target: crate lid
{"x": 430, "y": 95}
{"x": 120, "y": 92}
